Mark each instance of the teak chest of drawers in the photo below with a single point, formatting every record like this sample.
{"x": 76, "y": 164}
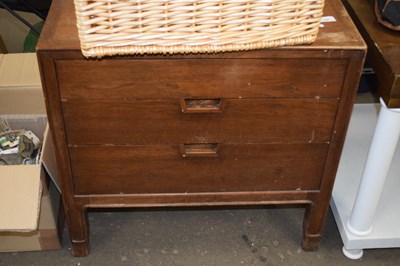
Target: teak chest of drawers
{"x": 243, "y": 128}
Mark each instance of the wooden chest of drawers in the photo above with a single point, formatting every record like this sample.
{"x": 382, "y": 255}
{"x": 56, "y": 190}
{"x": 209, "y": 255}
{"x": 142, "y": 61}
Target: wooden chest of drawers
{"x": 259, "y": 127}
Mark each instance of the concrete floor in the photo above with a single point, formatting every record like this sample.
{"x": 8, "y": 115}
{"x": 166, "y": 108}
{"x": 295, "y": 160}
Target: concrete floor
{"x": 263, "y": 235}
{"x": 246, "y": 236}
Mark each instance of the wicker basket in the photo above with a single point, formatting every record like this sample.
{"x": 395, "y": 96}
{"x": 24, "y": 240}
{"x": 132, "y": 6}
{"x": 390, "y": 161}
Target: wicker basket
{"x": 118, "y": 27}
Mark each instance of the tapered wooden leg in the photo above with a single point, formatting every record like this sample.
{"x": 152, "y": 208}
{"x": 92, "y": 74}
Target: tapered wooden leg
{"x": 78, "y": 231}
{"x": 314, "y": 221}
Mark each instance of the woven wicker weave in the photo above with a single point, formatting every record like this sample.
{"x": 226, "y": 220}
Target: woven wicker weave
{"x": 117, "y": 27}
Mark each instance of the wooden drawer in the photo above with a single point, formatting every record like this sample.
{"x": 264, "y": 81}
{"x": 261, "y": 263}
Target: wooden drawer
{"x": 162, "y": 169}
{"x": 273, "y": 120}
{"x": 230, "y": 78}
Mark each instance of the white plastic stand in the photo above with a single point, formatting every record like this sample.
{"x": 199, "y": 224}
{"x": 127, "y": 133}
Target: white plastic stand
{"x": 365, "y": 193}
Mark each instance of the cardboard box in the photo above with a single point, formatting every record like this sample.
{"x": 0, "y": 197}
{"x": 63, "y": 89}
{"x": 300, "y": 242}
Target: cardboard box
{"x": 29, "y": 200}
{"x": 51, "y": 223}
{"x": 21, "y": 189}
{"x": 20, "y": 86}
{"x": 31, "y": 216}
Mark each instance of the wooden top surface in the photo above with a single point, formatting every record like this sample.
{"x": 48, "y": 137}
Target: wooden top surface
{"x": 60, "y": 31}
{"x": 383, "y": 50}
{"x": 388, "y": 41}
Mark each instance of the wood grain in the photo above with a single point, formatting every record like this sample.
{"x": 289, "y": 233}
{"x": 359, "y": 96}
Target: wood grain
{"x": 162, "y": 169}
{"x": 274, "y": 138}
{"x": 162, "y": 122}
{"x": 231, "y": 78}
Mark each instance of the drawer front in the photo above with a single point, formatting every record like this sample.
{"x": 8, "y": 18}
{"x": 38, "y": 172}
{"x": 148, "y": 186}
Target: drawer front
{"x": 232, "y": 78}
{"x": 148, "y": 122}
{"x": 163, "y": 169}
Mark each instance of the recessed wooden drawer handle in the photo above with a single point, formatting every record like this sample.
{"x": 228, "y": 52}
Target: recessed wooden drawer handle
{"x": 199, "y": 150}
{"x": 201, "y": 105}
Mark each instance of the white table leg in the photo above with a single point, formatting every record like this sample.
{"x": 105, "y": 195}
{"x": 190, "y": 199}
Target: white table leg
{"x": 379, "y": 159}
